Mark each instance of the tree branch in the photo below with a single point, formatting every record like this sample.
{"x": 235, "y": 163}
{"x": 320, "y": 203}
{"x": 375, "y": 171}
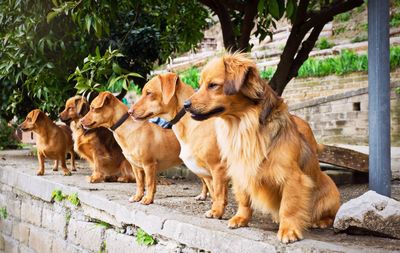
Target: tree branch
{"x": 250, "y": 13}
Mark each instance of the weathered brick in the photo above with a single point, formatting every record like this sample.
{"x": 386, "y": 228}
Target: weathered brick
{"x": 6, "y": 226}
{"x": 31, "y": 212}
{"x": 20, "y": 232}
{"x": 25, "y": 249}
{"x": 63, "y": 246}
{"x": 1, "y": 242}
{"x": 10, "y": 245}
{"x": 86, "y": 234}
{"x": 54, "y": 221}
{"x": 40, "y": 240}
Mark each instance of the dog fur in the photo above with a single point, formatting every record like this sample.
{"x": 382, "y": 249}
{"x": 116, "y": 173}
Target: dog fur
{"x": 148, "y": 147}
{"x": 163, "y": 96}
{"x": 97, "y": 146}
{"x": 53, "y": 141}
{"x": 273, "y": 167}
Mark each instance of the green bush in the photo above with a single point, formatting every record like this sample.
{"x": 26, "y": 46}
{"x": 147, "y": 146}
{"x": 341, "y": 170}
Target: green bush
{"x": 343, "y": 17}
{"x": 395, "y": 20}
{"x": 191, "y": 76}
{"x": 323, "y": 43}
{"x": 6, "y": 136}
{"x": 143, "y": 238}
{"x": 268, "y": 73}
{"x": 359, "y": 38}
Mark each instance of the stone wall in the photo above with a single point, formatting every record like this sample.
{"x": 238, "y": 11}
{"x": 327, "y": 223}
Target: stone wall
{"x": 337, "y": 107}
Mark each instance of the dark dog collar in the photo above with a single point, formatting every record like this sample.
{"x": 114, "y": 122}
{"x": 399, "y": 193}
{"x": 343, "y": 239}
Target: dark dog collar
{"x": 168, "y": 124}
{"x": 119, "y": 122}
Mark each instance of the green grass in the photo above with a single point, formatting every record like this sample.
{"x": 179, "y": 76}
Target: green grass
{"x": 395, "y": 20}
{"x": 359, "y": 38}
{"x": 3, "y": 213}
{"x": 73, "y": 199}
{"x": 323, "y": 43}
{"x": 343, "y": 17}
{"x": 58, "y": 196}
{"x": 143, "y": 238}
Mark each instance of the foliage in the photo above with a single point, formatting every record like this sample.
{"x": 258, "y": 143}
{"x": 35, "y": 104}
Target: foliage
{"x": 323, "y": 43}
{"x": 103, "y": 224}
{"x": 268, "y": 73}
{"x": 58, "y": 196}
{"x": 395, "y": 19}
{"x": 191, "y": 76}
{"x": 343, "y": 17}
{"x": 101, "y": 72}
{"x": 143, "y": 238}
{"x": 73, "y": 199}
{"x": 3, "y": 213}
{"x": 6, "y": 136}
{"x": 359, "y": 38}
{"x": 103, "y": 247}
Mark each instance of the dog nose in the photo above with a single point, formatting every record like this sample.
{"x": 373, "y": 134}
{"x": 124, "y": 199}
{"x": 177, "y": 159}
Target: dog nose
{"x": 187, "y": 104}
{"x": 130, "y": 111}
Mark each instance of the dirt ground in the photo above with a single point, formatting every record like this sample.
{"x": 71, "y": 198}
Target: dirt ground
{"x": 179, "y": 196}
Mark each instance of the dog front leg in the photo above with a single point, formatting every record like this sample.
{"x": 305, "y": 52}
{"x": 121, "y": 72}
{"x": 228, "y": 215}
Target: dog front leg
{"x": 204, "y": 191}
{"x": 294, "y": 211}
{"x": 97, "y": 176}
{"x": 40, "y": 171}
{"x": 55, "y": 167}
{"x": 64, "y": 166}
{"x": 244, "y": 212}
{"x": 219, "y": 183}
{"x": 150, "y": 172}
{"x": 139, "y": 174}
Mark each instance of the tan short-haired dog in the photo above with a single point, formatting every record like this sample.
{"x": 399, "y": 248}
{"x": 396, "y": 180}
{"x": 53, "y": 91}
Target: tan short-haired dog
{"x": 98, "y": 146}
{"x": 272, "y": 166}
{"x": 163, "y": 96}
{"x": 53, "y": 142}
{"x": 148, "y": 147}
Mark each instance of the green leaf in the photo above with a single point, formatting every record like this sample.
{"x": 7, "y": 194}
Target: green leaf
{"x": 51, "y": 15}
{"x": 116, "y": 68}
{"x": 143, "y": 238}
{"x": 3, "y": 213}
{"x": 290, "y": 8}
{"x": 88, "y": 22}
{"x": 135, "y": 75}
{"x": 73, "y": 198}
{"x": 274, "y": 8}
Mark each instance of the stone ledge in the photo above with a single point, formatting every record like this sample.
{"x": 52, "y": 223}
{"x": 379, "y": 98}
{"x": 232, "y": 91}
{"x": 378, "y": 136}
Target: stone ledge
{"x": 168, "y": 224}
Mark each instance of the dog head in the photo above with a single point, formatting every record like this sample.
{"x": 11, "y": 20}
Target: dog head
{"x": 101, "y": 111}
{"x": 228, "y": 86}
{"x": 158, "y": 97}
{"x": 75, "y": 108}
{"x": 32, "y": 120}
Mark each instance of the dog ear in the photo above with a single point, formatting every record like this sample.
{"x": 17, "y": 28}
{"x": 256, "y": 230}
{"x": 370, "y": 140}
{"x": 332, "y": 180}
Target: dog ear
{"x": 102, "y": 99}
{"x": 238, "y": 68}
{"x": 168, "y": 86}
{"x": 82, "y": 106}
{"x": 35, "y": 115}
{"x": 269, "y": 102}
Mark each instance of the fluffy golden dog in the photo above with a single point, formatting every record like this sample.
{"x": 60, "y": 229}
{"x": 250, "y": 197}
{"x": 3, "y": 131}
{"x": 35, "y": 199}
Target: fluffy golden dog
{"x": 53, "y": 142}
{"x": 163, "y": 96}
{"x": 272, "y": 166}
{"x": 148, "y": 147}
{"x": 98, "y": 146}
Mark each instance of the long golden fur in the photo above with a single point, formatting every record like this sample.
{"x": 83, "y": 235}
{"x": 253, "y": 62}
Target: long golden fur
{"x": 53, "y": 141}
{"x": 148, "y": 147}
{"x": 163, "y": 96}
{"x": 274, "y": 168}
{"x": 97, "y": 146}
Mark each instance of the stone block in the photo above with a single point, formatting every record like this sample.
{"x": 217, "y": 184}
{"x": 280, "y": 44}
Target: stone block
{"x": 40, "y": 240}
{"x": 370, "y": 212}
{"x": 6, "y": 226}
{"x": 85, "y": 234}
{"x": 20, "y": 232}
{"x": 1, "y": 242}
{"x": 63, "y": 246}
{"x": 54, "y": 221}
{"x": 31, "y": 212}
{"x": 10, "y": 245}
{"x": 26, "y": 249}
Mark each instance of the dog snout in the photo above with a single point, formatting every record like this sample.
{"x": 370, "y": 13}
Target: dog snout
{"x": 187, "y": 104}
{"x": 131, "y": 111}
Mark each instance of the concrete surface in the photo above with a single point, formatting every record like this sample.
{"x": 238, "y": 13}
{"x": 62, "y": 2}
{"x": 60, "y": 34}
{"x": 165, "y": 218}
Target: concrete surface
{"x": 177, "y": 216}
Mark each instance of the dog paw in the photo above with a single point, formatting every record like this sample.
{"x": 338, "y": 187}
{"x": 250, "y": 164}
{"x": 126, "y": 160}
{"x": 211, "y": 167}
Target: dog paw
{"x": 165, "y": 181}
{"x": 122, "y": 180}
{"x": 214, "y": 214}
{"x": 93, "y": 180}
{"x": 67, "y": 173}
{"x": 288, "y": 235}
{"x": 40, "y": 172}
{"x": 55, "y": 169}
{"x": 201, "y": 197}
{"x": 146, "y": 201}
{"x": 73, "y": 169}
{"x": 135, "y": 198}
{"x": 237, "y": 222}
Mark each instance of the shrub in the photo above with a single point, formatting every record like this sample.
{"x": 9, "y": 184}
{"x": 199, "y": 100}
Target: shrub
{"x": 343, "y": 17}
{"x": 7, "y": 139}
{"x": 323, "y": 43}
{"x": 268, "y": 73}
{"x": 143, "y": 238}
{"x": 359, "y": 38}
{"x": 395, "y": 20}
{"x": 191, "y": 77}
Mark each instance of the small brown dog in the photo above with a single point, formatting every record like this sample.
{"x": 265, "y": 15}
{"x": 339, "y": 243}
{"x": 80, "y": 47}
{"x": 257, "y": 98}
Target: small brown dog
{"x": 163, "y": 96}
{"x": 272, "y": 166}
{"x": 148, "y": 147}
{"x": 53, "y": 142}
{"x": 98, "y": 146}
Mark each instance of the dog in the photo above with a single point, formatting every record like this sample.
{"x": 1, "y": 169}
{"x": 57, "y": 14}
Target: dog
{"x": 163, "y": 96}
{"x": 97, "y": 146}
{"x": 53, "y": 142}
{"x": 148, "y": 147}
{"x": 273, "y": 167}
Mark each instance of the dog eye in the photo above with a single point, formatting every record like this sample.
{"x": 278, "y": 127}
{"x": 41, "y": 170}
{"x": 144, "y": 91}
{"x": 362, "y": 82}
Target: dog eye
{"x": 148, "y": 93}
{"x": 69, "y": 109}
{"x": 212, "y": 85}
